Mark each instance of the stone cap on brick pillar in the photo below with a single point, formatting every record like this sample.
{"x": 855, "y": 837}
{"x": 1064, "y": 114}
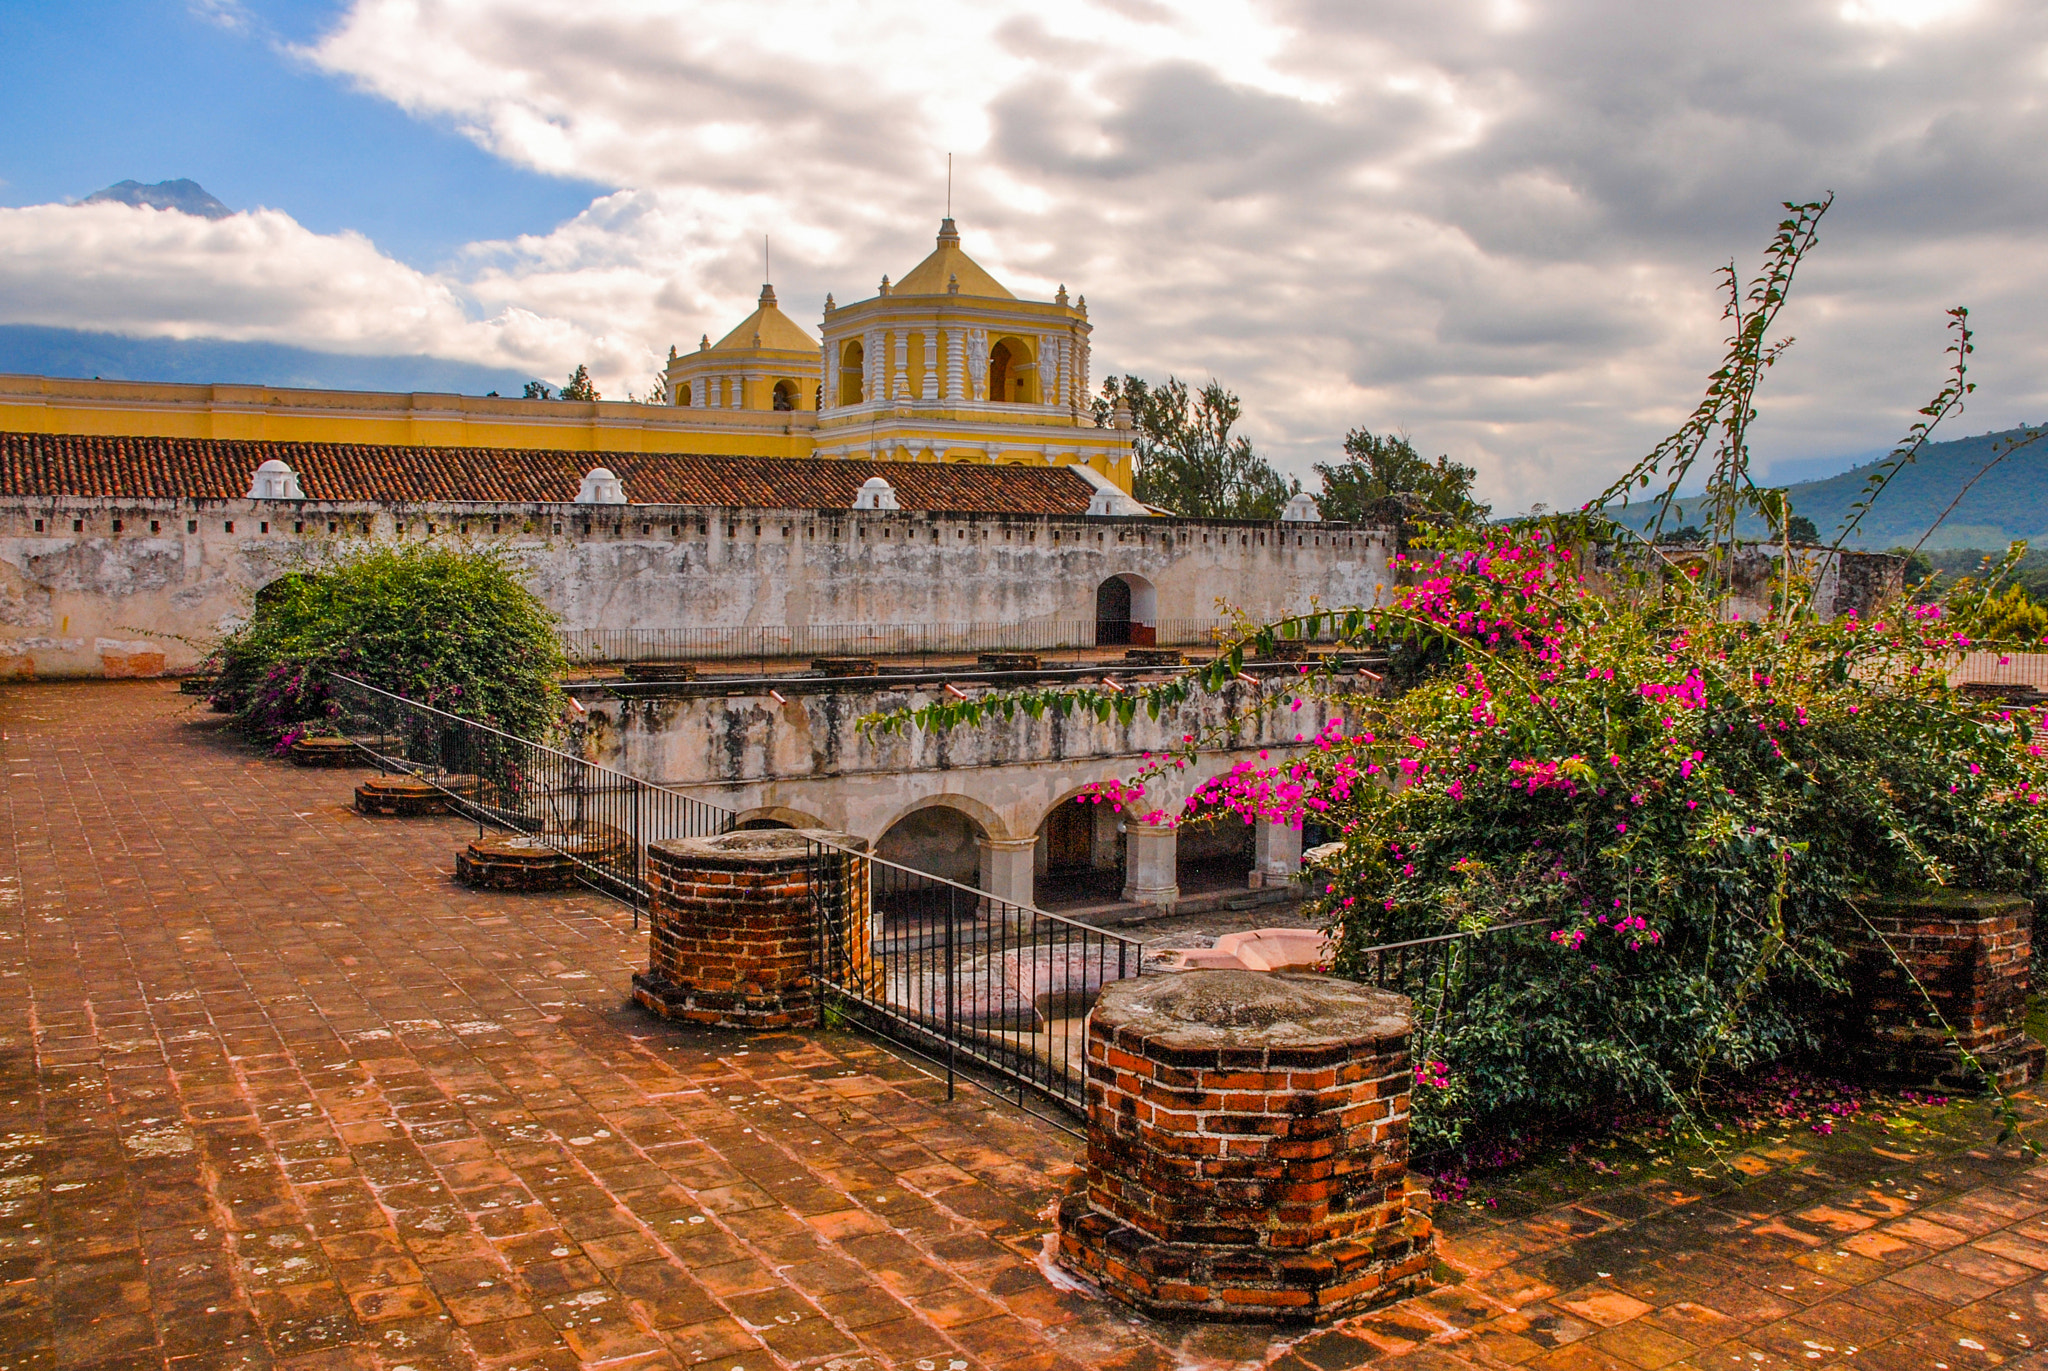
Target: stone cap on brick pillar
{"x": 746, "y": 848}
{"x": 1947, "y": 901}
{"x": 1199, "y": 1013}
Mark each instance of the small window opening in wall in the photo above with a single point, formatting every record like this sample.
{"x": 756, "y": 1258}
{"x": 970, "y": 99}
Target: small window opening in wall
{"x": 266, "y": 527}
{"x": 230, "y": 526}
{"x": 558, "y": 528}
{"x": 788, "y": 529}
{"x": 78, "y": 526}
{"x": 676, "y": 530}
{"x": 465, "y": 528}
{"x": 398, "y": 529}
{"x": 191, "y": 525}
{"x": 117, "y": 525}
{"x": 155, "y": 527}
{"x": 39, "y": 525}
{"x": 366, "y": 528}
{"x": 960, "y": 533}
{"x": 430, "y": 530}
{"x": 646, "y": 529}
{"x": 494, "y": 527}
{"x": 298, "y": 526}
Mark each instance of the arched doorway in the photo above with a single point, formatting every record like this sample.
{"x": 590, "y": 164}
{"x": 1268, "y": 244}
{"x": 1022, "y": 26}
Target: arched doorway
{"x": 999, "y": 372}
{"x": 683, "y": 394}
{"x": 1080, "y": 860}
{"x": 1126, "y": 612}
{"x": 785, "y": 395}
{"x": 852, "y": 373}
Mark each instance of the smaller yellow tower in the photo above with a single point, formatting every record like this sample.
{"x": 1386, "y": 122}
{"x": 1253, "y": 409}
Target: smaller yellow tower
{"x": 767, "y": 363}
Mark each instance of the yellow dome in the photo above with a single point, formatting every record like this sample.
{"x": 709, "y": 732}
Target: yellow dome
{"x": 767, "y": 327}
{"x": 935, "y": 274}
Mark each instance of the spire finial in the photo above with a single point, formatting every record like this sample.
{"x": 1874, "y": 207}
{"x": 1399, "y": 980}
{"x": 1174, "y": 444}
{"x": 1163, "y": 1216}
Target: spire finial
{"x": 767, "y": 269}
{"x": 949, "y": 185}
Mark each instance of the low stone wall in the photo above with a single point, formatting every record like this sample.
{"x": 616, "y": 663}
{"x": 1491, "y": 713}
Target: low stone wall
{"x": 1964, "y": 954}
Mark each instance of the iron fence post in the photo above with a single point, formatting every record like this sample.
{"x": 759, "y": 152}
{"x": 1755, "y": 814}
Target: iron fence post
{"x": 952, "y": 975}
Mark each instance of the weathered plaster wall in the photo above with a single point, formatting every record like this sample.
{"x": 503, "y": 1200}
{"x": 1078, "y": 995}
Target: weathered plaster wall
{"x": 807, "y": 761}
{"x": 107, "y": 587}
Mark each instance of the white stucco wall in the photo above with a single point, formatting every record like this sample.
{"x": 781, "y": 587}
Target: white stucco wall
{"x": 90, "y": 600}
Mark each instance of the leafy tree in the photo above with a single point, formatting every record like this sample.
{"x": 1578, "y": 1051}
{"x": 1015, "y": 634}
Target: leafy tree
{"x": 453, "y": 628}
{"x": 578, "y": 386}
{"x": 1686, "y": 535}
{"x": 538, "y": 390}
{"x": 1800, "y": 529}
{"x": 1188, "y": 460}
{"x": 1381, "y": 468}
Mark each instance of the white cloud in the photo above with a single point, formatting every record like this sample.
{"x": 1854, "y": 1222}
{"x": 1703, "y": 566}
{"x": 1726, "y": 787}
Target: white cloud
{"x": 1490, "y": 223}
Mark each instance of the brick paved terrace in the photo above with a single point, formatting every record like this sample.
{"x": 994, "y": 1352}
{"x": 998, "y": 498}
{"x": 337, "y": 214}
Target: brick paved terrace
{"x": 275, "y": 1092}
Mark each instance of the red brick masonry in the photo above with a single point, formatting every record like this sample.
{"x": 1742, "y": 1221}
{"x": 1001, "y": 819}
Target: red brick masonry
{"x": 1968, "y": 950}
{"x": 1248, "y": 1148}
{"x": 731, "y": 937}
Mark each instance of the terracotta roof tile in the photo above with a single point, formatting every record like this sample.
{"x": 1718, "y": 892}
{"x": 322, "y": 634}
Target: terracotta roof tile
{"x": 61, "y": 464}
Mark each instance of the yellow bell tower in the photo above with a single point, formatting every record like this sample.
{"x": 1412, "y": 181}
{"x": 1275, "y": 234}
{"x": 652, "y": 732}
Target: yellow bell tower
{"x": 948, "y": 366}
{"x": 767, "y": 363}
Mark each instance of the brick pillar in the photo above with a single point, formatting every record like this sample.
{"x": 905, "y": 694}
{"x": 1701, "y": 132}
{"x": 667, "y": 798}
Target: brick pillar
{"x": 733, "y": 935}
{"x": 1969, "y": 951}
{"x": 1248, "y": 1149}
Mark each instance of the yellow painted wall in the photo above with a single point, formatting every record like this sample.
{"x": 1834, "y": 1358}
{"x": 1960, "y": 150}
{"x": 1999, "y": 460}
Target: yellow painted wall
{"x": 35, "y": 404}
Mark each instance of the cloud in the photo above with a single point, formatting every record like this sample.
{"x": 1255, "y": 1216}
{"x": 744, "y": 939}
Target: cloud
{"x": 1492, "y": 224}
{"x": 257, "y": 276}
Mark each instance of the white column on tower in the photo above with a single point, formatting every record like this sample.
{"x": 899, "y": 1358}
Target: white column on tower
{"x": 828, "y": 376}
{"x": 956, "y": 365}
{"x": 878, "y": 367}
{"x": 930, "y": 389}
{"x": 899, "y": 387}
{"x": 977, "y": 363}
{"x": 1048, "y": 369}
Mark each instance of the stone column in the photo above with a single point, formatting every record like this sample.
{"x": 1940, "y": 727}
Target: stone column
{"x": 1276, "y": 853}
{"x": 1969, "y": 951}
{"x": 1006, "y": 867}
{"x": 1248, "y": 1149}
{"x": 1151, "y": 863}
{"x": 733, "y": 925}
{"x": 873, "y": 390}
{"x": 899, "y": 387}
{"x": 956, "y": 365}
{"x": 929, "y": 391}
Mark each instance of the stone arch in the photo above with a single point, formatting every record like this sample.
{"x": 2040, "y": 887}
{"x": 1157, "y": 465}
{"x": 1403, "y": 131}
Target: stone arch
{"x": 1012, "y": 371}
{"x": 852, "y": 372}
{"x": 777, "y": 816}
{"x": 941, "y": 835}
{"x": 280, "y": 586}
{"x": 683, "y": 394}
{"x": 978, "y": 811}
{"x": 786, "y": 396}
{"x": 1126, "y": 611}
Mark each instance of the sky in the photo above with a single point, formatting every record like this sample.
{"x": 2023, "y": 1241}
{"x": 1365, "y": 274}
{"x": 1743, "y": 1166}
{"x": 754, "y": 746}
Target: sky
{"x": 1492, "y": 225}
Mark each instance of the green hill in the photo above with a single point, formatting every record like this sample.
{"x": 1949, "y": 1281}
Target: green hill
{"x": 2011, "y": 502}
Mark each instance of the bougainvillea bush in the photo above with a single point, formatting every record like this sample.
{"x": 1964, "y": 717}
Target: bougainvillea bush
{"x": 1687, "y": 811}
{"x": 1660, "y": 822}
{"x": 455, "y": 628}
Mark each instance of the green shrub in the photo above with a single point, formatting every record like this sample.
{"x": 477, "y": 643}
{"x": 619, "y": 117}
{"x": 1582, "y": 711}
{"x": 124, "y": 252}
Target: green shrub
{"x": 453, "y": 628}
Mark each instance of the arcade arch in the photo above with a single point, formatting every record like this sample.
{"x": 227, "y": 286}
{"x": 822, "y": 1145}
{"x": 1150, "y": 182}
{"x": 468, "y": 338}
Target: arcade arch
{"x": 852, "y": 372}
{"x": 1126, "y": 611}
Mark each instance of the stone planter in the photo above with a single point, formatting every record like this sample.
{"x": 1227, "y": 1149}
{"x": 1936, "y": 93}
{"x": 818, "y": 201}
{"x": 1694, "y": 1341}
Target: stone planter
{"x": 735, "y": 937}
{"x": 1968, "y": 950}
{"x": 1248, "y": 1149}
{"x": 411, "y": 797}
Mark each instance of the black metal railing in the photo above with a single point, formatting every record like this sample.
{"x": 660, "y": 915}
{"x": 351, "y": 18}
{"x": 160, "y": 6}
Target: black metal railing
{"x": 964, "y": 978}
{"x": 598, "y": 818}
{"x": 953, "y": 973}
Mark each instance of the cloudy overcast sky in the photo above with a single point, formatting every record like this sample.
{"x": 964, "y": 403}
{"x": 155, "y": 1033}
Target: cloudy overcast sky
{"x": 1491, "y": 224}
